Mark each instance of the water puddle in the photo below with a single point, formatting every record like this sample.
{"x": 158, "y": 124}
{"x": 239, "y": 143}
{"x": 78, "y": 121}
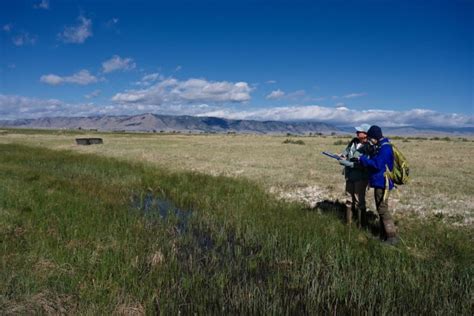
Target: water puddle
{"x": 158, "y": 207}
{"x": 197, "y": 239}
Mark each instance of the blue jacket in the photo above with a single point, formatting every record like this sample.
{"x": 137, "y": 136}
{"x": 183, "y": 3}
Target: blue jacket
{"x": 377, "y": 163}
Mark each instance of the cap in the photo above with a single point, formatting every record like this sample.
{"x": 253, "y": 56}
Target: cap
{"x": 374, "y": 132}
{"x": 362, "y": 128}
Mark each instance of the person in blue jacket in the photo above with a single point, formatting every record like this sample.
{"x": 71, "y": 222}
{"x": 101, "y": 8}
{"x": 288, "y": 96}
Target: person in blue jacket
{"x": 377, "y": 163}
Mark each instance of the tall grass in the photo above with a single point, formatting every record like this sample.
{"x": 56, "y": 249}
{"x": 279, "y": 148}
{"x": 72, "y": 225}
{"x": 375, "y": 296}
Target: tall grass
{"x": 73, "y": 240}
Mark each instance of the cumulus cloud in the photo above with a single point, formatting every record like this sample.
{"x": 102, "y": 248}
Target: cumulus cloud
{"x": 83, "y": 77}
{"x": 345, "y": 116}
{"x": 190, "y": 91}
{"x": 13, "y": 107}
{"x": 24, "y": 38}
{"x": 44, "y": 4}
{"x": 20, "y": 107}
{"x": 77, "y": 34}
{"x": 275, "y": 95}
{"x": 117, "y": 63}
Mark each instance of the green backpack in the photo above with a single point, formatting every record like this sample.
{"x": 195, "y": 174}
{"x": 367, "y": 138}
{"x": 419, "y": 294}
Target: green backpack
{"x": 401, "y": 171}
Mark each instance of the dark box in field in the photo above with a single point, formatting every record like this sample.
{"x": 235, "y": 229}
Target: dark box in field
{"x": 89, "y": 141}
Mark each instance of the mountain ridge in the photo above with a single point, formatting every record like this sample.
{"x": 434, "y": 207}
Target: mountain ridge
{"x": 149, "y": 122}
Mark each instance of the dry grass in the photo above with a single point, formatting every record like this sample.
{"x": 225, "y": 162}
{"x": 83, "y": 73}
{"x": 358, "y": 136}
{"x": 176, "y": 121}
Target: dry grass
{"x": 442, "y": 171}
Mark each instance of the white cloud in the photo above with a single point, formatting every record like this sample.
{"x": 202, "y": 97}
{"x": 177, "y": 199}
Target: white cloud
{"x": 186, "y": 92}
{"x": 345, "y": 116}
{"x": 279, "y": 94}
{"x": 296, "y": 95}
{"x": 117, "y": 63}
{"x": 148, "y": 80}
{"x": 151, "y": 77}
{"x": 93, "y": 94}
{"x": 13, "y": 107}
{"x": 24, "y": 38}
{"x": 275, "y": 95}
{"x": 82, "y": 77}
{"x": 350, "y": 95}
{"x": 44, "y": 4}
{"x": 79, "y": 33}
{"x": 354, "y": 95}
{"x": 178, "y": 68}
{"x": 20, "y": 107}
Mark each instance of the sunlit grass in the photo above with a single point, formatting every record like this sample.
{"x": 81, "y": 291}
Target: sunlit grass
{"x": 74, "y": 240}
{"x": 441, "y": 169}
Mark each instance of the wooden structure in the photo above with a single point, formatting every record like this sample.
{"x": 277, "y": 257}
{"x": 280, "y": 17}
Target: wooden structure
{"x": 89, "y": 141}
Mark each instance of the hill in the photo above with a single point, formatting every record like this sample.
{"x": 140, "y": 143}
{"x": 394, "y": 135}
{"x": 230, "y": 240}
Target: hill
{"x": 167, "y": 123}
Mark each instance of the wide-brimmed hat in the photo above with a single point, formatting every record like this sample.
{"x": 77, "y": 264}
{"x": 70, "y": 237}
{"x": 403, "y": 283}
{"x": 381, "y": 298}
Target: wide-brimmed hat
{"x": 362, "y": 128}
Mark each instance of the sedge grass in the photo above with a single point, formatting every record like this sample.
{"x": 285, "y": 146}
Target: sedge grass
{"x": 72, "y": 241}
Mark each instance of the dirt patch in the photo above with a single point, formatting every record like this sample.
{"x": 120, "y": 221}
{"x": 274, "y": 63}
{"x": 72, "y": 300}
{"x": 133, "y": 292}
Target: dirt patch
{"x": 309, "y": 195}
{"x": 458, "y": 212}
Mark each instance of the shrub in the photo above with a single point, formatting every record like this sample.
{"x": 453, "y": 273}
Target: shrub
{"x": 340, "y": 142}
{"x": 296, "y": 142}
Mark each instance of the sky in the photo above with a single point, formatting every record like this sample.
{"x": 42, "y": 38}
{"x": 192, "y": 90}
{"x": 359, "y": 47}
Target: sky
{"x": 382, "y": 62}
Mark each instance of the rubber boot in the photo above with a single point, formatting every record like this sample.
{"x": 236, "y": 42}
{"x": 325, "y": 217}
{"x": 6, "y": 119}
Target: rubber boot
{"x": 382, "y": 233}
{"x": 390, "y": 232}
{"x": 348, "y": 215}
{"x": 363, "y": 220}
{"x": 359, "y": 217}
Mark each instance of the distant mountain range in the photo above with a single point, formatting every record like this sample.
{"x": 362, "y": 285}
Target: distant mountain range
{"x": 167, "y": 123}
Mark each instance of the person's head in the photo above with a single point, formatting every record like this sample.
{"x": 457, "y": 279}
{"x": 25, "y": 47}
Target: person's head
{"x": 361, "y": 132}
{"x": 374, "y": 134}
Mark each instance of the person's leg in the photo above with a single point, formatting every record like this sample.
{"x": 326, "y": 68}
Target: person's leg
{"x": 389, "y": 231}
{"x": 350, "y": 197}
{"x": 360, "y": 204}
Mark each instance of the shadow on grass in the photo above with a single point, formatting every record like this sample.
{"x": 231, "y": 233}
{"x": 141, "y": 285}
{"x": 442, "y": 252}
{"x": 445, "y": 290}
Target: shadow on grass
{"x": 337, "y": 209}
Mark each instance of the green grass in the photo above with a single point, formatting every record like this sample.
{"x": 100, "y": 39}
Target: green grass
{"x": 72, "y": 241}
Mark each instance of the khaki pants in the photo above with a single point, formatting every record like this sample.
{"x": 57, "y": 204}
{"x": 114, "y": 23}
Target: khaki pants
{"x": 355, "y": 200}
{"x": 387, "y": 225}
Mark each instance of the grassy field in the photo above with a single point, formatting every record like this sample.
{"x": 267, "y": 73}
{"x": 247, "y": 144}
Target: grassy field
{"x": 75, "y": 239}
{"x": 442, "y": 169}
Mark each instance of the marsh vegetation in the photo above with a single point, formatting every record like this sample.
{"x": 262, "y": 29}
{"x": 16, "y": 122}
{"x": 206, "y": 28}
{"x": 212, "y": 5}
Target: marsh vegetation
{"x": 74, "y": 236}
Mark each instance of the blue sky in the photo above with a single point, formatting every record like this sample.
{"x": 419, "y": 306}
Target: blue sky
{"x": 386, "y": 62}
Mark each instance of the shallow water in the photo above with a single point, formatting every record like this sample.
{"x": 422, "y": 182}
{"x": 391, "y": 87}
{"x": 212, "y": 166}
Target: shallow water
{"x": 155, "y": 206}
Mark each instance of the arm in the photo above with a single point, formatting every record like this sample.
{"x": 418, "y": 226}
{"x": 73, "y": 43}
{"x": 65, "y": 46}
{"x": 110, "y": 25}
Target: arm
{"x": 380, "y": 160}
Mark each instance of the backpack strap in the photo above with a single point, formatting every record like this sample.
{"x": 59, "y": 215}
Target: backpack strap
{"x": 387, "y": 175}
